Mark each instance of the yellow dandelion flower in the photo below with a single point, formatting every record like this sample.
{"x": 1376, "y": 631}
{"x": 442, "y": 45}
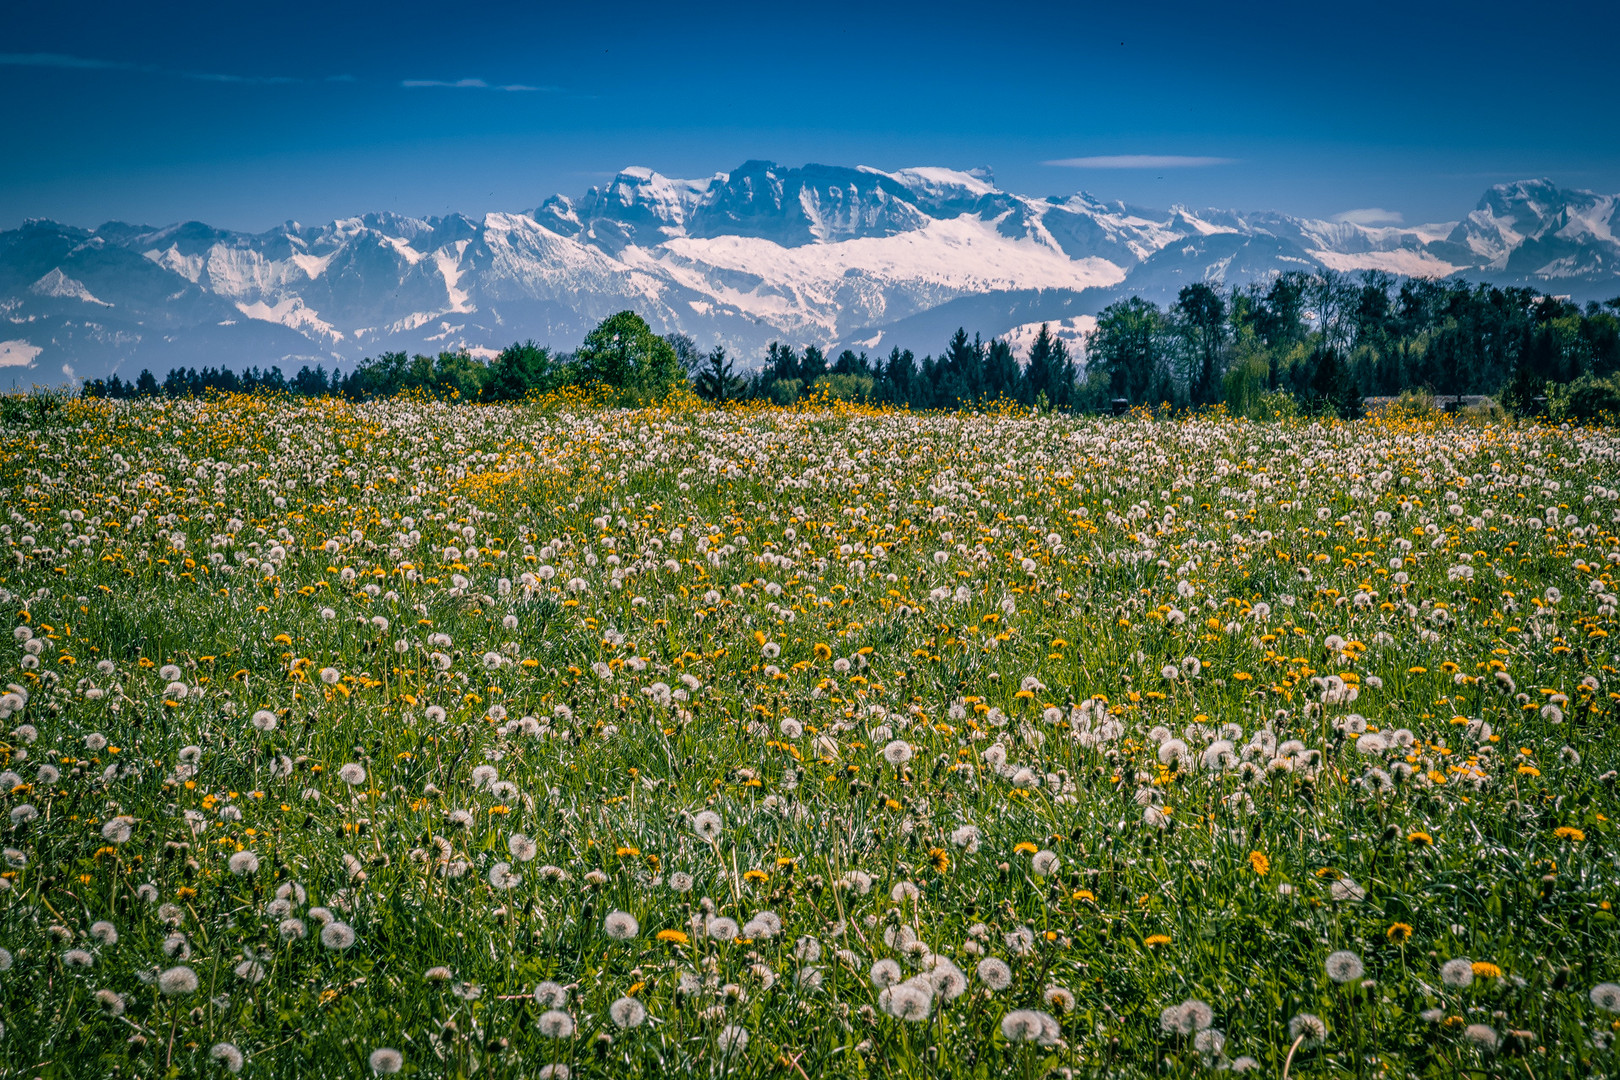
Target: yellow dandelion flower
{"x": 1261, "y": 864}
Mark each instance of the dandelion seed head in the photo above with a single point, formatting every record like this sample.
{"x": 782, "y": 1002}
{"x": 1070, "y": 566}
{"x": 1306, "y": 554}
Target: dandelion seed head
{"x": 620, "y": 926}
{"x": 1344, "y": 966}
{"x": 386, "y": 1060}
{"x": 1457, "y": 973}
{"x": 1606, "y": 996}
{"x": 337, "y": 935}
{"x": 627, "y": 1012}
{"x": 994, "y": 973}
{"x": 1309, "y": 1029}
{"x": 227, "y": 1055}
{"x": 177, "y": 981}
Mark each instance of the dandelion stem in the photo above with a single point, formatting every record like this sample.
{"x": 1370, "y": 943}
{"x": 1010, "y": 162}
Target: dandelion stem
{"x": 1288, "y": 1062}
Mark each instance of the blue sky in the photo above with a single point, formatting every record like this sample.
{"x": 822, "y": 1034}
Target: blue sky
{"x": 247, "y": 115}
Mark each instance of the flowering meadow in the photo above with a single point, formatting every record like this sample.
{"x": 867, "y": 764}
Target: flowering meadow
{"x": 555, "y": 740}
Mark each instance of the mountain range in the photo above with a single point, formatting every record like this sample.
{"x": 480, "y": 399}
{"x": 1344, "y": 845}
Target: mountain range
{"x": 836, "y": 256}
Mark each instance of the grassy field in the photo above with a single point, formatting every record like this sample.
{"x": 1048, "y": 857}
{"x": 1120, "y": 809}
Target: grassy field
{"x": 550, "y": 741}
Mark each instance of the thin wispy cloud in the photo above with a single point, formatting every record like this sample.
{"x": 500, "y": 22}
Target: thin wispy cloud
{"x": 63, "y": 61}
{"x": 1370, "y": 215}
{"x": 476, "y": 84}
{"x": 1139, "y": 161}
{"x": 248, "y": 80}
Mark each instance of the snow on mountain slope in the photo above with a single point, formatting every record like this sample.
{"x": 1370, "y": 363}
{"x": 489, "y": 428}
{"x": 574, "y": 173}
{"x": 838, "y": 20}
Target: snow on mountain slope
{"x": 292, "y": 313}
{"x": 833, "y": 287}
{"x": 944, "y": 192}
{"x": 1072, "y": 332}
{"x": 1535, "y": 229}
{"x": 1401, "y": 262}
{"x": 59, "y": 285}
{"x": 1082, "y": 225}
{"x": 448, "y": 260}
{"x": 817, "y": 253}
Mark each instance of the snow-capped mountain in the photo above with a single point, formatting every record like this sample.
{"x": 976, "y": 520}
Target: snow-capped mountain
{"x": 837, "y": 256}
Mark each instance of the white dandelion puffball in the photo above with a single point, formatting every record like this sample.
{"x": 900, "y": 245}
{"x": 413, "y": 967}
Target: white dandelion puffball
{"x": 707, "y": 825}
{"x": 556, "y": 1024}
{"x": 995, "y": 974}
{"x": 897, "y": 753}
{"x": 337, "y": 935}
{"x": 1457, "y": 973}
{"x": 244, "y": 864}
{"x": 1344, "y": 966}
{"x": 385, "y": 1059}
{"x": 352, "y": 774}
{"x": 227, "y": 1055}
{"x": 550, "y": 995}
{"x": 621, "y": 926}
{"x": 1309, "y": 1028}
{"x": 177, "y": 981}
{"x": 911, "y": 1000}
{"x": 885, "y": 973}
{"x": 627, "y": 1012}
{"x": 1022, "y": 1025}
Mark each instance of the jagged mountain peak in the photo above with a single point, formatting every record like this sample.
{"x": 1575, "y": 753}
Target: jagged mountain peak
{"x": 813, "y": 253}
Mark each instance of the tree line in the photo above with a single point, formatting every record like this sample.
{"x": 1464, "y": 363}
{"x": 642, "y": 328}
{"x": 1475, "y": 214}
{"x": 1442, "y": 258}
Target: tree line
{"x": 1325, "y": 341}
{"x": 1314, "y": 344}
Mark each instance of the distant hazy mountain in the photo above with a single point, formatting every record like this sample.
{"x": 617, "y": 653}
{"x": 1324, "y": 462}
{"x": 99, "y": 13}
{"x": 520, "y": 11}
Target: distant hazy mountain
{"x": 825, "y": 254}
